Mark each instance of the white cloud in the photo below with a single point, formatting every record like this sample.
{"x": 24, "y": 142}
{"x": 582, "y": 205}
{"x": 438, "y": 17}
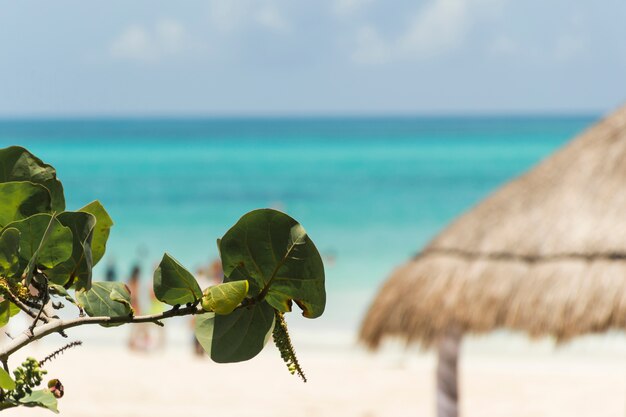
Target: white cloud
{"x": 271, "y": 18}
{"x": 140, "y": 43}
{"x": 370, "y": 47}
{"x": 569, "y": 47}
{"x": 437, "y": 28}
{"x": 503, "y": 46}
{"x": 227, "y": 15}
{"x": 348, "y": 7}
{"x": 230, "y": 16}
{"x": 572, "y": 43}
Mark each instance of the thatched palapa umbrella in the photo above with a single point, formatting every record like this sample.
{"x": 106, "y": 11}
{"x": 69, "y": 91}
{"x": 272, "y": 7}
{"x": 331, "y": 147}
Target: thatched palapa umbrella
{"x": 545, "y": 254}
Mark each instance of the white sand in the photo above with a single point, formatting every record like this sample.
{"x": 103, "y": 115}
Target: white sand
{"x": 342, "y": 382}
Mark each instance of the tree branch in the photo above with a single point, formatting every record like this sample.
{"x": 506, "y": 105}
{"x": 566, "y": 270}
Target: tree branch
{"x": 57, "y": 325}
{"x": 15, "y": 300}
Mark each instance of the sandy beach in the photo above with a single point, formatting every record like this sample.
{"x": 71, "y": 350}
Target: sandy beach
{"x": 498, "y": 378}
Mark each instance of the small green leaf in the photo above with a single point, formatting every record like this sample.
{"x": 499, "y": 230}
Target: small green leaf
{"x": 56, "y": 249}
{"x": 122, "y": 295}
{"x": 41, "y": 398}
{"x": 224, "y": 298}
{"x": 173, "y": 284}
{"x": 238, "y": 336}
{"x": 6, "y": 382}
{"x": 274, "y": 252}
{"x": 9, "y": 252}
{"x": 110, "y": 299}
{"x": 21, "y": 200}
{"x": 58, "y": 290}
{"x": 101, "y": 230}
{"x": 17, "y": 164}
{"x": 79, "y": 265}
{"x": 7, "y": 310}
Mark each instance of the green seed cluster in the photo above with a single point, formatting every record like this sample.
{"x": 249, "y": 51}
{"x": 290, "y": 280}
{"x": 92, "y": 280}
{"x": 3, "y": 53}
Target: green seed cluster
{"x": 285, "y": 347}
{"x": 27, "y": 376}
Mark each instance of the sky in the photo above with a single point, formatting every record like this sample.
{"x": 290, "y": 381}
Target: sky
{"x": 324, "y": 57}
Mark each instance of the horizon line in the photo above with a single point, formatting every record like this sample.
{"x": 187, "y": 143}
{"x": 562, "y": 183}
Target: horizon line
{"x": 300, "y": 116}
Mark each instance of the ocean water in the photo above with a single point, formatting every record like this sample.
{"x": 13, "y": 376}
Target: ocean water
{"x": 370, "y": 191}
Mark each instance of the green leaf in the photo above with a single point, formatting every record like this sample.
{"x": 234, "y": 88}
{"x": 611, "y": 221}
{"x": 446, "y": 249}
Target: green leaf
{"x": 17, "y": 164}
{"x": 58, "y": 290}
{"x": 77, "y": 268}
{"x": 110, "y": 299}
{"x": 21, "y": 200}
{"x": 122, "y": 295}
{"x": 7, "y": 310}
{"x": 274, "y": 251}
{"x": 58, "y": 245}
{"x": 173, "y": 284}
{"x": 6, "y": 382}
{"x": 41, "y": 398}
{"x": 9, "y": 252}
{"x": 224, "y": 298}
{"x": 100, "y": 231}
{"x": 238, "y": 336}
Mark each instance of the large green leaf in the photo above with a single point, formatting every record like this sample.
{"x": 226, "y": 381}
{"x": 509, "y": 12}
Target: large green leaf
{"x": 21, "y": 200}
{"x": 100, "y": 231}
{"x": 6, "y": 382}
{"x": 77, "y": 268}
{"x": 7, "y": 310}
{"x": 9, "y": 252}
{"x": 41, "y": 398}
{"x": 17, "y": 164}
{"x": 104, "y": 298}
{"x": 238, "y": 336}
{"x": 225, "y": 297}
{"x": 173, "y": 284}
{"x": 57, "y": 247}
{"x": 275, "y": 252}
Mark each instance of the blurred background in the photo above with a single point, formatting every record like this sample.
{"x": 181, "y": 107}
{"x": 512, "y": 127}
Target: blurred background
{"x": 373, "y": 123}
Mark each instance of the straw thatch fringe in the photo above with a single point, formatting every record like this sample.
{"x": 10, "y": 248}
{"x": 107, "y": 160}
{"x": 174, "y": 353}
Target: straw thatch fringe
{"x": 545, "y": 254}
{"x": 562, "y": 298}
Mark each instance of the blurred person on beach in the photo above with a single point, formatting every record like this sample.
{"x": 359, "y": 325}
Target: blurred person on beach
{"x": 216, "y": 272}
{"x": 204, "y": 282}
{"x": 156, "y": 307}
{"x": 139, "y": 336}
{"x": 110, "y": 274}
{"x": 206, "y": 277}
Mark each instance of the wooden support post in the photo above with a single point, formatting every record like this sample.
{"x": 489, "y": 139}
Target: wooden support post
{"x": 447, "y": 375}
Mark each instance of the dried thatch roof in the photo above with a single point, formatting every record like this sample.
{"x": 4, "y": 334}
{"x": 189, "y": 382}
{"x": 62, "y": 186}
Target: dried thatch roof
{"x": 545, "y": 254}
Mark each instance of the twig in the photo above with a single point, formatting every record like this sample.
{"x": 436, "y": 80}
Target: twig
{"x": 22, "y": 306}
{"x": 56, "y": 325}
{"x": 44, "y": 300}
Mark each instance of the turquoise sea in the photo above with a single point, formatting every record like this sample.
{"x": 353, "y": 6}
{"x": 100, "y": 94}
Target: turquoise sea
{"x": 370, "y": 191}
